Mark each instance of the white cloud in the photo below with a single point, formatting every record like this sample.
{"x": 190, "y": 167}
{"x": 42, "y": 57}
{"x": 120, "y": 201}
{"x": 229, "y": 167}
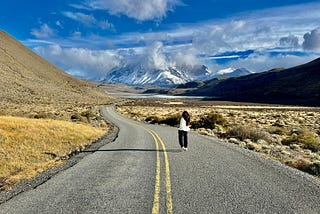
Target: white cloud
{"x": 80, "y": 17}
{"x": 140, "y": 10}
{"x": 312, "y": 40}
{"x": 263, "y": 61}
{"x": 105, "y": 25}
{"x": 58, "y": 23}
{"x": 290, "y": 41}
{"x": 158, "y": 56}
{"x": 96, "y": 64}
{"x": 76, "y": 35}
{"x": 263, "y": 30}
{"x": 89, "y": 20}
{"x": 188, "y": 57}
{"x": 44, "y": 32}
{"x": 93, "y": 64}
{"x": 155, "y": 57}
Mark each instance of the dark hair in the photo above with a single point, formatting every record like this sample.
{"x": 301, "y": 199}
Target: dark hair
{"x": 186, "y": 117}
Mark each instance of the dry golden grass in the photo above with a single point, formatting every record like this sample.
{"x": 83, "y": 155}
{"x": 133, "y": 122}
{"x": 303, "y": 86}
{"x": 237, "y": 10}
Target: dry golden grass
{"x": 284, "y": 133}
{"x": 31, "y": 87}
{"x": 27, "y": 78}
{"x": 29, "y": 146}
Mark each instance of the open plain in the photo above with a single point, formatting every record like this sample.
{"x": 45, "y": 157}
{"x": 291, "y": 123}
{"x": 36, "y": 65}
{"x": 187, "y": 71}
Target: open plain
{"x": 289, "y": 134}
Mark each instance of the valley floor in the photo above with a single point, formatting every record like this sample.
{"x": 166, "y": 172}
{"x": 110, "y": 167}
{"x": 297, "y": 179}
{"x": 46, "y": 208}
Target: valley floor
{"x": 289, "y": 134}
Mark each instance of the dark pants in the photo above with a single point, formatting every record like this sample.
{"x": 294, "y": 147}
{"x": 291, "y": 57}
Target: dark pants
{"x": 183, "y": 138}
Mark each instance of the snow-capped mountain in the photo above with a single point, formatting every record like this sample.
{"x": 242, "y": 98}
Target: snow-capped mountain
{"x": 232, "y": 72}
{"x": 140, "y": 75}
{"x": 158, "y": 67}
{"x": 137, "y": 74}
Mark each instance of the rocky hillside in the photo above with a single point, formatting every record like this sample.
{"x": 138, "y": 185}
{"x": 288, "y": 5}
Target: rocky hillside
{"x": 26, "y": 78}
{"x": 297, "y": 85}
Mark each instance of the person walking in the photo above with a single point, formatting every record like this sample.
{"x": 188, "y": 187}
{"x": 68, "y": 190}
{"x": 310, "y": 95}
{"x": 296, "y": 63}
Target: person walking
{"x": 183, "y": 130}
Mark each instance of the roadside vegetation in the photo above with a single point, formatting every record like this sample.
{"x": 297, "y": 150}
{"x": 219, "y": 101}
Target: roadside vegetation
{"x": 289, "y": 134}
{"x": 29, "y": 146}
{"x": 36, "y": 135}
{"x": 45, "y": 114}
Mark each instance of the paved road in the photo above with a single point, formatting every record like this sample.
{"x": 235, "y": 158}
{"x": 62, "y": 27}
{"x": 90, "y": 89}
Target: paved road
{"x": 143, "y": 171}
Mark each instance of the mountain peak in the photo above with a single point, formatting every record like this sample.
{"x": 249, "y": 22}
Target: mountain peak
{"x": 137, "y": 74}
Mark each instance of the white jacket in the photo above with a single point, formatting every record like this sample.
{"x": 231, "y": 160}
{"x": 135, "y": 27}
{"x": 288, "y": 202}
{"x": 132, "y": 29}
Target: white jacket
{"x": 183, "y": 125}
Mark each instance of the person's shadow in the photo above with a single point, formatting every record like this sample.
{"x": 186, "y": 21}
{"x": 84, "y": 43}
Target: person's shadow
{"x": 131, "y": 150}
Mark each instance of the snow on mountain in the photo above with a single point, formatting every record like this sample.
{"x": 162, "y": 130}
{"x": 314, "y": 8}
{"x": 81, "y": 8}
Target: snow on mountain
{"x": 232, "y": 72}
{"x": 225, "y": 71}
{"x": 158, "y": 67}
{"x": 173, "y": 75}
{"x": 138, "y": 74}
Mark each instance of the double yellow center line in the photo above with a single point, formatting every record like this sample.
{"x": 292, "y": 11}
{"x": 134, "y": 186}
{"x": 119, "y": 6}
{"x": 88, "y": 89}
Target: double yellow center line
{"x": 156, "y": 198}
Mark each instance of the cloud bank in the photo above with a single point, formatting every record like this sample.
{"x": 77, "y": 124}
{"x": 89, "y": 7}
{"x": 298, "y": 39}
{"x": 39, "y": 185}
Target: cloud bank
{"x": 90, "y": 64}
{"x": 290, "y": 41}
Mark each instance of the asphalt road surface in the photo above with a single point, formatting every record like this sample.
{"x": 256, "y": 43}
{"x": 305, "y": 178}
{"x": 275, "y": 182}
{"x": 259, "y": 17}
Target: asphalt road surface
{"x": 144, "y": 171}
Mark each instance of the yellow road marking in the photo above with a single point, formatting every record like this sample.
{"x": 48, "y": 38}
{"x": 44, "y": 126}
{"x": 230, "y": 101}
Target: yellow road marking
{"x": 168, "y": 181}
{"x": 155, "y": 208}
{"x": 156, "y": 198}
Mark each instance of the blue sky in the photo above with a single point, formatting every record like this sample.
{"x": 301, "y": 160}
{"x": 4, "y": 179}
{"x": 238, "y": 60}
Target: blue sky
{"x": 88, "y": 38}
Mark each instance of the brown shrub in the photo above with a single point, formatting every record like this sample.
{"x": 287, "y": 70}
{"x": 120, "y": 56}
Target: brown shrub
{"x": 172, "y": 120}
{"x": 278, "y": 130}
{"x": 88, "y": 115}
{"x": 307, "y": 139}
{"x": 209, "y": 121}
{"x": 306, "y": 166}
{"x": 245, "y": 132}
{"x": 298, "y": 164}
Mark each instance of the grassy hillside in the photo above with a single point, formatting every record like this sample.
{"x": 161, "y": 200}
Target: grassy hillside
{"x": 30, "y": 83}
{"x": 297, "y": 85}
{"x": 32, "y": 87}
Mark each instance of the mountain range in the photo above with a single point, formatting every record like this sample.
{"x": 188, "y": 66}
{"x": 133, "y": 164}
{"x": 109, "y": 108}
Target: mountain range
{"x": 296, "y": 85}
{"x": 139, "y": 74}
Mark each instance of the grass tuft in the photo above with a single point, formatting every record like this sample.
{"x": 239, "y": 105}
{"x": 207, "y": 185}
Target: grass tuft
{"x": 307, "y": 139}
{"x": 172, "y": 120}
{"x": 245, "y": 132}
{"x": 209, "y": 121}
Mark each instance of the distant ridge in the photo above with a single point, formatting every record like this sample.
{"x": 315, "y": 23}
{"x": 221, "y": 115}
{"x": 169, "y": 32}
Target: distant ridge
{"x": 298, "y": 85}
{"x": 26, "y": 78}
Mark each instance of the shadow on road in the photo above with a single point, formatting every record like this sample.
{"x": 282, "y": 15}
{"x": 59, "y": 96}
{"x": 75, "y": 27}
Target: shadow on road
{"x": 132, "y": 150}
